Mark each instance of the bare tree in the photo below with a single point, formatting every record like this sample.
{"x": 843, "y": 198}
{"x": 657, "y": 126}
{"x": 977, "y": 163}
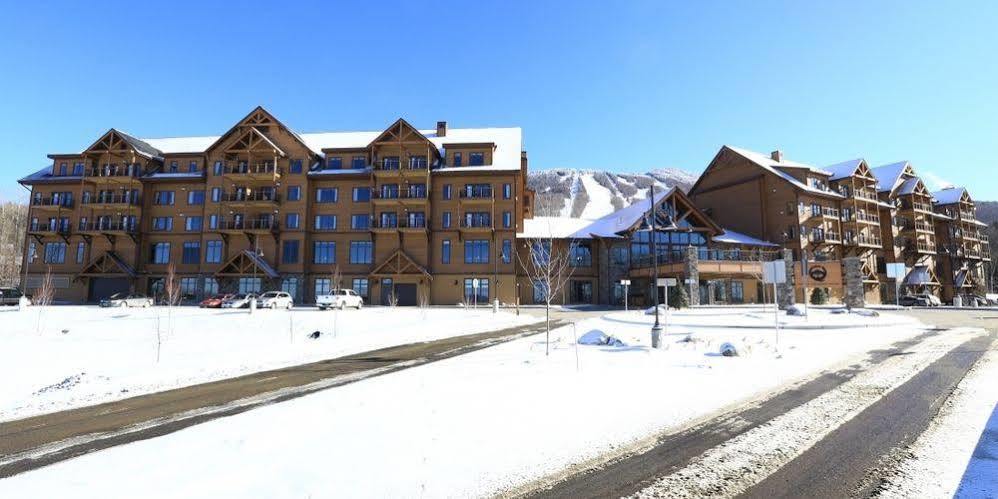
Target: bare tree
{"x": 171, "y": 286}
{"x": 393, "y": 299}
{"x": 424, "y": 303}
{"x": 43, "y": 297}
{"x": 336, "y": 279}
{"x": 548, "y": 265}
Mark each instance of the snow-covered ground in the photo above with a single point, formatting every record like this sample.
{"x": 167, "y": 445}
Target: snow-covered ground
{"x": 473, "y": 425}
{"x": 109, "y": 354}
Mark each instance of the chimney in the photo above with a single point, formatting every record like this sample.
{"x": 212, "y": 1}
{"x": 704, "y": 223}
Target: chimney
{"x": 441, "y": 129}
{"x": 777, "y": 156}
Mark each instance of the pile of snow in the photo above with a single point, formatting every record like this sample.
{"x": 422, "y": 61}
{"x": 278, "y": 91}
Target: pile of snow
{"x": 597, "y": 337}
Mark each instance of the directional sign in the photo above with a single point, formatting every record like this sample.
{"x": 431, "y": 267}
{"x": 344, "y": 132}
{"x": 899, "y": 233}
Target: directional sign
{"x": 625, "y": 282}
{"x": 774, "y": 272}
{"x": 667, "y": 281}
{"x": 896, "y": 270}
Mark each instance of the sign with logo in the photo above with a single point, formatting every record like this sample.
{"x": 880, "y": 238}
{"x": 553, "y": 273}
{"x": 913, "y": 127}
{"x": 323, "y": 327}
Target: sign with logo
{"x": 817, "y": 272}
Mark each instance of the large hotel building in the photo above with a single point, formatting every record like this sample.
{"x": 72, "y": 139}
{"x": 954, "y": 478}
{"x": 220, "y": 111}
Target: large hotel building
{"x": 418, "y": 215}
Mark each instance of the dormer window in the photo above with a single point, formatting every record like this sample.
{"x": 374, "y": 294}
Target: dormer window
{"x": 334, "y": 163}
{"x": 174, "y": 168}
{"x": 358, "y": 162}
{"x": 476, "y": 159}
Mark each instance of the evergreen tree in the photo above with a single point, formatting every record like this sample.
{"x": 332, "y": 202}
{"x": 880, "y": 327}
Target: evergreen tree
{"x": 819, "y": 296}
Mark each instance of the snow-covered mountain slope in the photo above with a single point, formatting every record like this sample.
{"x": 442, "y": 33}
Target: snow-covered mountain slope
{"x": 592, "y": 194}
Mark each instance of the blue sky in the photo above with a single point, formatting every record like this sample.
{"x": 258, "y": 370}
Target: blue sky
{"x": 624, "y": 86}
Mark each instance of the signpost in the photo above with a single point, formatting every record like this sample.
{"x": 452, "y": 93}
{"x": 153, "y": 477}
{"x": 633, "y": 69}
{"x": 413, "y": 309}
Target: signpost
{"x": 897, "y": 271}
{"x": 625, "y": 283}
{"x": 666, "y": 282}
{"x": 775, "y": 272}
{"x": 474, "y": 286}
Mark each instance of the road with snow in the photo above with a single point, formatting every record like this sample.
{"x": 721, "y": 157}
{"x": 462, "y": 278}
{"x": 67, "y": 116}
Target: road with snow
{"x": 38, "y": 441}
{"x": 866, "y": 418}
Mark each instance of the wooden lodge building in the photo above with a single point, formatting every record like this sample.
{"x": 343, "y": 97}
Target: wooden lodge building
{"x": 419, "y": 215}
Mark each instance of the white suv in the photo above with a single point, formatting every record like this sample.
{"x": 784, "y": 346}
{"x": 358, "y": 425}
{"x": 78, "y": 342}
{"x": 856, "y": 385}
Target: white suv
{"x": 275, "y": 299}
{"x": 339, "y": 298}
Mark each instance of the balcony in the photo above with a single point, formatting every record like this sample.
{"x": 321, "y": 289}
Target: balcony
{"x": 476, "y": 196}
{"x": 871, "y": 241}
{"x": 392, "y": 167}
{"x": 476, "y": 225}
{"x": 254, "y": 198}
{"x": 827, "y": 236}
{"x": 242, "y": 170}
{"x": 868, "y": 218}
{"x": 829, "y": 212}
{"x": 259, "y": 225}
{"x": 983, "y": 238}
{"x": 925, "y": 247}
{"x": 52, "y": 203}
{"x": 867, "y": 195}
{"x": 112, "y": 173}
{"x": 111, "y": 201}
{"x": 49, "y": 229}
{"x": 967, "y": 215}
{"x": 923, "y": 207}
{"x": 109, "y": 227}
{"x": 414, "y": 196}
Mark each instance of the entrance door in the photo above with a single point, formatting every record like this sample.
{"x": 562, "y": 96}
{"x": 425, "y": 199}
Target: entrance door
{"x": 406, "y": 294}
{"x": 103, "y": 287}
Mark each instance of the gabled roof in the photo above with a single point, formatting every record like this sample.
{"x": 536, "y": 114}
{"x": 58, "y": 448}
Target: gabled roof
{"x": 141, "y": 147}
{"x": 950, "y": 195}
{"x": 621, "y": 220}
{"x": 844, "y": 169}
{"x": 910, "y": 186}
{"x": 108, "y": 263}
{"x": 889, "y": 176}
{"x": 45, "y": 176}
{"x": 772, "y": 167}
{"x": 268, "y": 115}
{"x": 555, "y": 228}
{"x": 244, "y": 263}
{"x": 399, "y": 263}
{"x": 731, "y": 237}
{"x": 920, "y": 275}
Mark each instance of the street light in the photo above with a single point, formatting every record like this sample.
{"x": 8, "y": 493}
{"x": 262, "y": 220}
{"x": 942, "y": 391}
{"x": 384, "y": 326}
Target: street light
{"x": 656, "y": 330}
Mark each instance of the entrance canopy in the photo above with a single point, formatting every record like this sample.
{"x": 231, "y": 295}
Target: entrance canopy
{"x": 246, "y": 262}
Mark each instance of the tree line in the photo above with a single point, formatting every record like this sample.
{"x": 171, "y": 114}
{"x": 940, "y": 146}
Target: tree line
{"x": 13, "y": 223}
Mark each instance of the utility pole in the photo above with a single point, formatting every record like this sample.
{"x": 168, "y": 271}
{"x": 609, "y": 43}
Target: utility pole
{"x": 656, "y": 330}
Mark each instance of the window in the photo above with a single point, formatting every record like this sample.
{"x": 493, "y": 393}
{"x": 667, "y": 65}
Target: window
{"x": 294, "y": 193}
{"x": 445, "y": 251}
{"x": 480, "y": 295}
{"x": 325, "y": 222}
{"x": 507, "y": 191}
{"x": 249, "y": 284}
{"x": 390, "y": 191}
{"x": 581, "y": 255}
{"x": 445, "y": 220}
{"x": 296, "y": 165}
{"x": 217, "y": 169}
{"x": 216, "y": 194}
{"x": 289, "y": 251}
{"x": 163, "y": 197}
{"x": 210, "y": 286}
{"x": 361, "y": 251}
{"x": 213, "y": 252}
{"x": 192, "y": 167}
{"x": 447, "y": 191}
{"x": 478, "y": 219}
{"x": 55, "y": 253}
{"x": 212, "y": 222}
{"x": 162, "y": 224}
{"x": 325, "y": 252}
{"x": 361, "y": 194}
{"x": 290, "y": 286}
{"x": 326, "y": 195}
{"x": 360, "y": 222}
{"x": 192, "y": 224}
{"x": 815, "y": 209}
{"x": 188, "y": 287}
{"x": 507, "y": 251}
{"x": 477, "y": 191}
{"x": 476, "y": 159}
{"x": 417, "y": 162}
{"x": 358, "y": 162}
{"x": 581, "y": 291}
{"x": 507, "y": 219}
{"x": 457, "y": 159}
{"x": 81, "y": 251}
{"x": 334, "y": 163}
{"x": 32, "y": 252}
{"x": 476, "y": 251}
{"x": 174, "y": 167}
{"x": 77, "y": 169}
{"x": 389, "y": 219}
{"x": 291, "y": 221}
{"x": 322, "y": 286}
{"x": 360, "y": 286}
{"x": 737, "y": 292}
{"x": 62, "y": 169}
{"x": 390, "y": 163}
{"x": 618, "y": 255}
{"x": 161, "y": 253}
{"x": 192, "y": 252}
{"x": 416, "y": 219}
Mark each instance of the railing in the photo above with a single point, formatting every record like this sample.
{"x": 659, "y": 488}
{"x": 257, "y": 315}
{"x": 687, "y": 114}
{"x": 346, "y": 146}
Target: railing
{"x": 112, "y": 170}
{"x": 58, "y": 229}
{"x": 867, "y": 217}
{"x": 401, "y": 194}
{"x": 111, "y": 199}
{"x": 967, "y": 215}
{"x": 983, "y": 238}
{"x": 476, "y": 223}
{"x": 244, "y": 168}
{"x": 921, "y": 206}
{"x": 705, "y": 254}
{"x": 261, "y": 196}
{"x": 923, "y": 226}
{"x": 400, "y": 224}
{"x": 870, "y": 240}
{"x": 50, "y": 201}
{"x": 109, "y": 226}
{"x": 925, "y": 247}
{"x": 862, "y": 194}
{"x": 256, "y": 224}
{"x": 828, "y": 236}
{"x": 830, "y": 212}
{"x": 475, "y": 194}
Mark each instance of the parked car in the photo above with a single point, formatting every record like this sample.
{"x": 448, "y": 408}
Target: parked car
{"x": 127, "y": 300}
{"x": 934, "y": 300}
{"x": 339, "y": 298}
{"x": 275, "y": 299}
{"x": 239, "y": 300}
{"x": 919, "y": 300}
{"x": 10, "y": 296}
{"x": 214, "y": 301}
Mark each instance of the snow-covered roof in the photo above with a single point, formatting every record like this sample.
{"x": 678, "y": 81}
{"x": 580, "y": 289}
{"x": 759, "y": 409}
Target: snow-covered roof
{"x": 918, "y": 275}
{"x": 178, "y": 145}
{"x": 844, "y": 169}
{"x": 622, "y": 219}
{"x": 888, "y": 175}
{"x": 950, "y": 195}
{"x": 731, "y": 237}
{"x": 554, "y": 227}
{"x": 908, "y": 186}
{"x": 773, "y": 166}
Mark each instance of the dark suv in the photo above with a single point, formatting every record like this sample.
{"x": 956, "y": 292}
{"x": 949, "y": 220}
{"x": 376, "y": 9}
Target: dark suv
{"x": 10, "y": 296}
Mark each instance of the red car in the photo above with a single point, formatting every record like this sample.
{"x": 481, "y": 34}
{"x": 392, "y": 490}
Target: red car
{"x": 214, "y": 301}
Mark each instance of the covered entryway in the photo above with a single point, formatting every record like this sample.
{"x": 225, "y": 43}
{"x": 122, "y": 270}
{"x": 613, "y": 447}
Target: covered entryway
{"x": 406, "y": 294}
{"x": 401, "y": 279}
{"x": 103, "y": 287}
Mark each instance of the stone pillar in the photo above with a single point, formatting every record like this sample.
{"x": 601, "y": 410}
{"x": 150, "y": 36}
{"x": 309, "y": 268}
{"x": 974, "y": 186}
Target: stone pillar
{"x": 693, "y": 274}
{"x": 786, "y": 292}
{"x": 852, "y": 270}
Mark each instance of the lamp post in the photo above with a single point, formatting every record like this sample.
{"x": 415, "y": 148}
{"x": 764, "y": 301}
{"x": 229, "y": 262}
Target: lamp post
{"x": 656, "y": 330}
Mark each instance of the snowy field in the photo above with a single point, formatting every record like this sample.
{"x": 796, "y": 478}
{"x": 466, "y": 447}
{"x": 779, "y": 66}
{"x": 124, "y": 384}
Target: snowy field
{"x": 474, "y": 425}
{"x": 109, "y": 354}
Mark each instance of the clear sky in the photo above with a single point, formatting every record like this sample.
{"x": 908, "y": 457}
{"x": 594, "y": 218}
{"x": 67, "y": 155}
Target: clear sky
{"x": 624, "y": 86}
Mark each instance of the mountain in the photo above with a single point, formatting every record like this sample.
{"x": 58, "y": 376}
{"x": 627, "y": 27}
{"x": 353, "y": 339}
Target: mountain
{"x": 594, "y": 193}
{"x": 987, "y": 211}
